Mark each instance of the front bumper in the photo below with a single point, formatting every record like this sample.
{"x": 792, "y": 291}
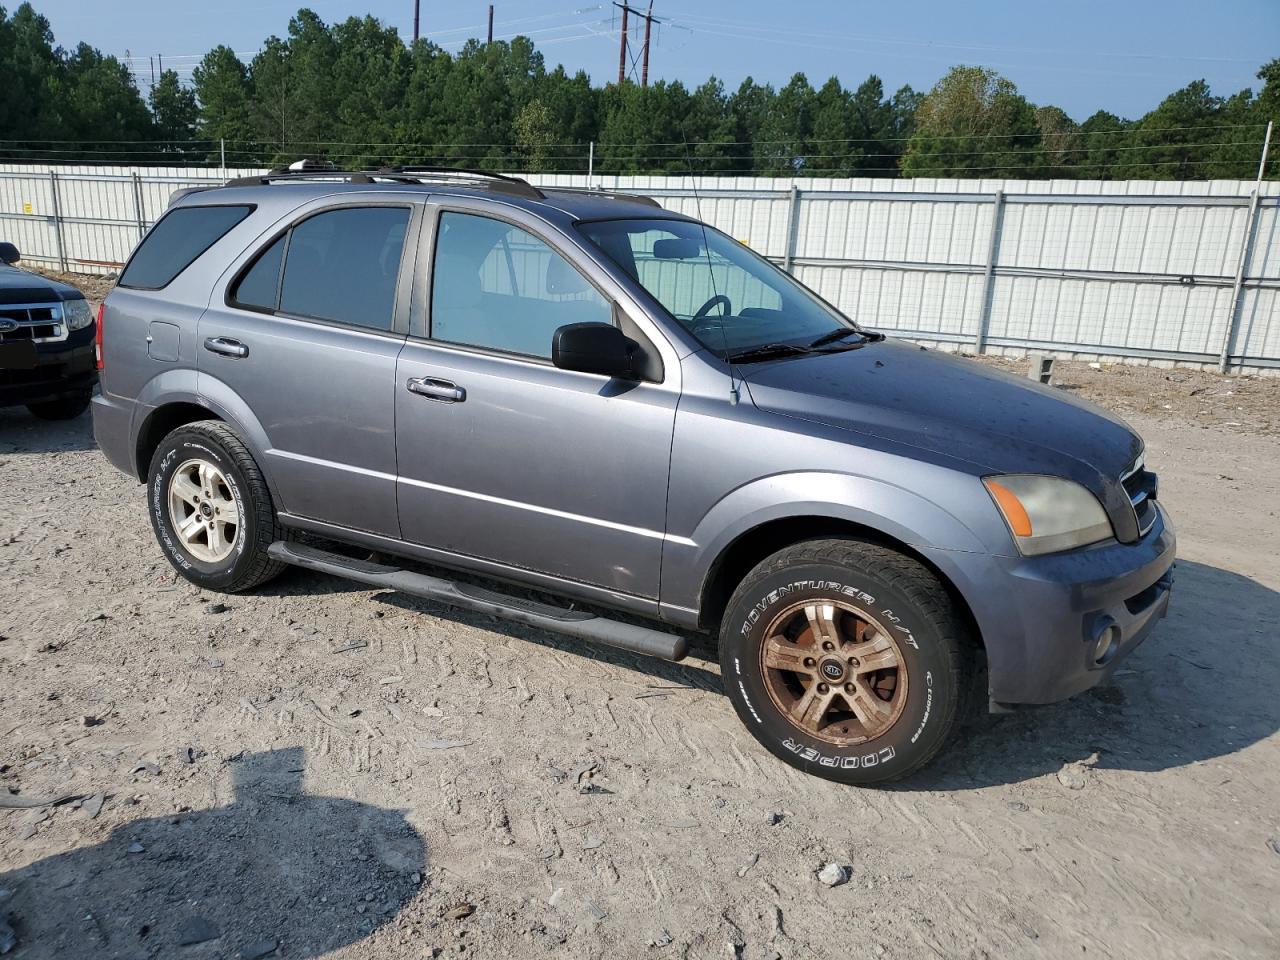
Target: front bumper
{"x": 1041, "y": 617}
{"x": 64, "y": 369}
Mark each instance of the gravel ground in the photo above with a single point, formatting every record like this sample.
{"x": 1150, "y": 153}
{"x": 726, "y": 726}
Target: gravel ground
{"x": 331, "y": 771}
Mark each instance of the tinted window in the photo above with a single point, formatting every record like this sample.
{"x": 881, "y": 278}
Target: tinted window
{"x": 258, "y": 287}
{"x": 728, "y": 297}
{"x": 497, "y": 286}
{"x": 176, "y": 241}
{"x": 342, "y": 266}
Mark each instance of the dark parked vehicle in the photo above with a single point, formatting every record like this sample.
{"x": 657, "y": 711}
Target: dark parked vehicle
{"x": 47, "y": 336}
{"x": 586, "y": 394}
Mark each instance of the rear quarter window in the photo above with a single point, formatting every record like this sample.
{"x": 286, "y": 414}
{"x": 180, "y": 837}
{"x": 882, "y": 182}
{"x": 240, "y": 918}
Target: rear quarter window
{"x": 177, "y": 241}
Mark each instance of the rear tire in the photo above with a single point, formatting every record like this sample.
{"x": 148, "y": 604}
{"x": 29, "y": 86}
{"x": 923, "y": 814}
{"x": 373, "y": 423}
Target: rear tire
{"x": 211, "y": 508}
{"x": 64, "y": 408}
{"x": 847, "y": 660}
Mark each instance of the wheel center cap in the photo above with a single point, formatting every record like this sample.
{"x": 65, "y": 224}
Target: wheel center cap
{"x": 206, "y": 510}
{"x": 832, "y": 670}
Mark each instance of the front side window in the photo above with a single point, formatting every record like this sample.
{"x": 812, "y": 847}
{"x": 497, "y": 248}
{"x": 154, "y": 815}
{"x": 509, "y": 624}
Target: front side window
{"x": 498, "y": 287}
{"x": 341, "y": 266}
{"x": 728, "y": 297}
{"x": 177, "y": 241}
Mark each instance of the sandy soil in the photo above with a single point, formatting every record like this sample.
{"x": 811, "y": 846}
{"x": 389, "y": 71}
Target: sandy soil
{"x": 331, "y": 771}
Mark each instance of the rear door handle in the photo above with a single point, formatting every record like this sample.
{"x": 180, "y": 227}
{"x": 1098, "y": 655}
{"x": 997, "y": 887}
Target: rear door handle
{"x": 226, "y": 347}
{"x": 433, "y": 388}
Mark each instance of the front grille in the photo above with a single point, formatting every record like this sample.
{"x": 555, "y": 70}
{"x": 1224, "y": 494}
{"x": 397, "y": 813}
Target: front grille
{"x": 1142, "y": 486}
{"x": 41, "y": 322}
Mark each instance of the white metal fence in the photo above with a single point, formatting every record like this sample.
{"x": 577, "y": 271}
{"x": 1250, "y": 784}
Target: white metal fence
{"x": 1162, "y": 271}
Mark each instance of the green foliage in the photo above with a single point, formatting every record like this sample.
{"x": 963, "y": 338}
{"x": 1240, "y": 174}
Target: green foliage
{"x": 355, "y": 93}
{"x": 174, "y": 112}
{"x": 974, "y": 123}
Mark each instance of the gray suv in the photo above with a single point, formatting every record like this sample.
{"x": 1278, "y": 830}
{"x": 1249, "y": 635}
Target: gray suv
{"x": 610, "y": 404}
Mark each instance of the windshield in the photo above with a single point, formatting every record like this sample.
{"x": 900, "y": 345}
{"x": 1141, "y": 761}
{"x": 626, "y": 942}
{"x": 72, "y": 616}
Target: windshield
{"x": 728, "y": 297}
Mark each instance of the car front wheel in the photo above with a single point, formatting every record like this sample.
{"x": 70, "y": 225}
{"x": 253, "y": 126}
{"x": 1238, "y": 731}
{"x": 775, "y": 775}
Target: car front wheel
{"x": 847, "y": 660}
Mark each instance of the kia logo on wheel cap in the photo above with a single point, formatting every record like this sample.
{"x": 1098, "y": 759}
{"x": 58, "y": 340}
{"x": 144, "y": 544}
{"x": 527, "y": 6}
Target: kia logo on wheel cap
{"x": 832, "y": 670}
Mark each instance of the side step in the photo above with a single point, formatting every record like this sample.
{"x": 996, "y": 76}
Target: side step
{"x": 575, "y": 623}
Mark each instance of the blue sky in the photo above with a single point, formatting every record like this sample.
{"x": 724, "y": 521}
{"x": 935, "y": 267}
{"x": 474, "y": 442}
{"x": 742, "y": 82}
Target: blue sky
{"x": 1083, "y": 55}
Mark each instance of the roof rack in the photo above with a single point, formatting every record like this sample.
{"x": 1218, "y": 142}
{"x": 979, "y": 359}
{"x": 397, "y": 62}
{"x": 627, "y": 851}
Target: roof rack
{"x": 497, "y": 181}
{"x": 313, "y": 170}
{"x": 614, "y": 194}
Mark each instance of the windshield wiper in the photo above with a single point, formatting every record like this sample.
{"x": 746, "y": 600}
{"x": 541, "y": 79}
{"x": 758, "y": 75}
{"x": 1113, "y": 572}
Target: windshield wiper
{"x": 769, "y": 351}
{"x": 842, "y": 332}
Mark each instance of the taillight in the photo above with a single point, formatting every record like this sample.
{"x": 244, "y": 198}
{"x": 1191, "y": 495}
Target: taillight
{"x": 97, "y": 337}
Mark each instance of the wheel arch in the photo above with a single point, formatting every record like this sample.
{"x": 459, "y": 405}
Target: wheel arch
{"x": 213, "y": 401}
{"x": 742, "y": 554}
{"x": 162, "y": 421}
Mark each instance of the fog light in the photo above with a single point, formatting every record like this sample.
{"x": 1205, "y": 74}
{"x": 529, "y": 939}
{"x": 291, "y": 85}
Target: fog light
{"x": 1106, "y": 638}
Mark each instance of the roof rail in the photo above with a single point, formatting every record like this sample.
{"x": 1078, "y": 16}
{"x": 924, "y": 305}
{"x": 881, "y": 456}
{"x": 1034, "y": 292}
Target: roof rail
{"x": 498, "y": 181}
{"x": 614, "y": 194}
{"x": 284, "y": 175}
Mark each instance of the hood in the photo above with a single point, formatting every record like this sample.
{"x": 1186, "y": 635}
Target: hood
{"x": 19, "y": 286}
{"x": 903, "y": 393}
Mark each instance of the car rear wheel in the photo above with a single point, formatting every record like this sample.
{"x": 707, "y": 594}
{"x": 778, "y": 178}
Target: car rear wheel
{"x": 64, "y": 408}
{"x": 211, "y": 509}
{"x": 847, "y": 660}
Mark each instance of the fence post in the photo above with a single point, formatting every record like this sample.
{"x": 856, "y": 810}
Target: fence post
{"x": 793, "y": 227}
{"x": 989, "y": 276}
{"x": 1246, "y": 254}
{"x": 57, "y": 221}
{"x": 137, "y": 205}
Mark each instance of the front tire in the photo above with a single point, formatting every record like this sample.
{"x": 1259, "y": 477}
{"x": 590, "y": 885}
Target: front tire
{"x": 64, "y": 408}
{"x": 846, "y": 660}
{"x": 211, "y": 509}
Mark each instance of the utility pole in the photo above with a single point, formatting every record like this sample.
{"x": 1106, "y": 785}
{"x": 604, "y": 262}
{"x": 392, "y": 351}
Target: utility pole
{"x": 416, "y": 11}
{"x": 648, "y": 24}
{"x": 491, "y": 23}
{"x": 649, "y": 20}
{"x": 622, "y": 50}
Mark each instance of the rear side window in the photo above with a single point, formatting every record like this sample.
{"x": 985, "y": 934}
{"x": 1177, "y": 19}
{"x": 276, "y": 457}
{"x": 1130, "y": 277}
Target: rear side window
{"x": 342, "y": 266}
{"x": 176, "y": 242}
{"x": 258, "y": 288}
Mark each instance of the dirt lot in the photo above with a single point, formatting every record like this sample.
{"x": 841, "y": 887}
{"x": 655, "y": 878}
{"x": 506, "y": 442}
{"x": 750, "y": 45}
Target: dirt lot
{"x": 344, "y": 773}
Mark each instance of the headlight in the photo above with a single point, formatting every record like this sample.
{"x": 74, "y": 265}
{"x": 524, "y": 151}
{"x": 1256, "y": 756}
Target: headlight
{"x": 76, "y": 313}
{"x": 1046, "y": 514}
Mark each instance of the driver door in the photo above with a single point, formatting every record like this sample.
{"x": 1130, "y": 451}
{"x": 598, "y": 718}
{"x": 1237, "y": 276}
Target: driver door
{"x": 505, "y": 457}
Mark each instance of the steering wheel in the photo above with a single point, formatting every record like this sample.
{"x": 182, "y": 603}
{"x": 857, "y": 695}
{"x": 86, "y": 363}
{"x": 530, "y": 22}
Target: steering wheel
{"x": 718, "y": 300}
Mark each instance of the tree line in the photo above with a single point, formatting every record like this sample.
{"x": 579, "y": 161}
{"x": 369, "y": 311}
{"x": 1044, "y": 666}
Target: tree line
{"x": 354, "y": 93}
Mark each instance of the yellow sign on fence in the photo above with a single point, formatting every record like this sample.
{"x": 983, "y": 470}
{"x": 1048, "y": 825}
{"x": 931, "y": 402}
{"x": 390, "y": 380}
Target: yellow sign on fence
{"x": 26, "y": 206}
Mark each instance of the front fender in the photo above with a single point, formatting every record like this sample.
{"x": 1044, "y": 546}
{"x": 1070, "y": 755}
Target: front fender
{"x": 879, "y": 505}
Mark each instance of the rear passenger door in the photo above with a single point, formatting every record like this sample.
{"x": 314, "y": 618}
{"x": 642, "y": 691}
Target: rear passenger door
{"x": 305, "y": 333}
{"x": 505, "y": 457}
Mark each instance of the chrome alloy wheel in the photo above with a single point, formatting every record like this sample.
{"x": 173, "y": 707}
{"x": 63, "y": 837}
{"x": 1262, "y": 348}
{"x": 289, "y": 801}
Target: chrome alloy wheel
{"x": 833, "y": 671}
{"x": 203, "y": 511}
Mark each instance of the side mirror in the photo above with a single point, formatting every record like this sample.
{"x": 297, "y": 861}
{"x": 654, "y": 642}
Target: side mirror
{"x": 593, "y": 348}
{"x": 9, "y": 253}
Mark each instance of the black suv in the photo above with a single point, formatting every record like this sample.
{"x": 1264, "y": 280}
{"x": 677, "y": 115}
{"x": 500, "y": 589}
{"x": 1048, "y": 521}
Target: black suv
{"x": 47, "y": 343}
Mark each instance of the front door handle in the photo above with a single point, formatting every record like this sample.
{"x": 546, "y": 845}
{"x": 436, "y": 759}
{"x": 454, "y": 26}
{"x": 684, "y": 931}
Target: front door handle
{"x": 226, "y": 347}
{"x": 433, "y": 388}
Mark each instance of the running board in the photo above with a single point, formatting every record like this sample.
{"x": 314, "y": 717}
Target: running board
{"x": 575, "y": 623}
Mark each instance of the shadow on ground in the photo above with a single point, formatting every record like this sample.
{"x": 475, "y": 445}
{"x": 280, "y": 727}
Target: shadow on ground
{"x": 20, "y": 432}
{"x": 275, "y": 869}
